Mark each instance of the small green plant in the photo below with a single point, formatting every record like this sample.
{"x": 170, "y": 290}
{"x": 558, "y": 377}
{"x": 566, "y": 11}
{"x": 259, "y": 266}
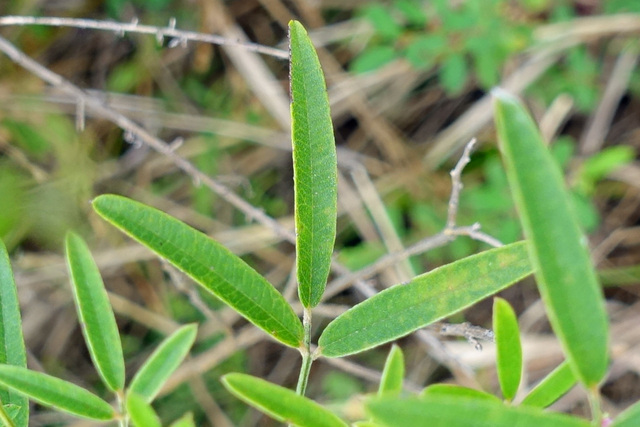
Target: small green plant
{"x": 554, "y": 251}
{"x": 471, "y": 38}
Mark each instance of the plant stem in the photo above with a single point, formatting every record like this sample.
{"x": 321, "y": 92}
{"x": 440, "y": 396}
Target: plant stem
{"x": 307, "y": 359}
{"x": 124, "y": 420}
{"x": 594, "y": 403}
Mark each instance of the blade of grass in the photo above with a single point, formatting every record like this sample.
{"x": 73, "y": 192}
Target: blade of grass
{"x": 95, "y": 313}
{"x": 163, "y": 361}
{"x": 393, "y": 373}
{"x": 280, "y": 403}
{"x": 208, "y": 263}
{"x": 12, "y": 350}
{"x": 508, "y": 347}
{"x": 552, "y": 387}
{"x": 558, "y": 249}
{"x": 404, "y": 308}
{"x": 51, "y": 391}
{"x": 457, "y": 411}
{"x": 314, "y": 168}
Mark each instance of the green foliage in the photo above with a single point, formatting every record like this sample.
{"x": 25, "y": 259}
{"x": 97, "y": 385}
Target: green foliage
{"x": 393, "y": 373}
{"x": 280, "y": 403}
{"x": 95, "y": 314}
{"x": 474, "y": 37}
{"x": 314, "y": 168}
{"x": 162, "y": 363}
{"x": 509, "y": 348}
{"x": 629, "y": 418}
{"x": 555, "y": 251}
{"x": 141, "y": 412}
{"x": 456, "y": 390}
{"x": 449, "y": 411}
{"x": 208, "y": 263}
{"x": 12, "y": 349}
{"x": 564, "y": 273}
{"x": 51, "y": 391}
{"x": 552, "y": 387}
{"x": 423, "y": 300}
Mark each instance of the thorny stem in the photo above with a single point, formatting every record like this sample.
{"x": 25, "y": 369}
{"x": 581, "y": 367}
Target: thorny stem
{"x": 307, "y": 357}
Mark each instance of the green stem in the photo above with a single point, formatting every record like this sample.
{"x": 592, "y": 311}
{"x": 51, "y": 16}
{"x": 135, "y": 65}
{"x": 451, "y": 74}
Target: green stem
{"x": 124, "y": 420}
{"x": 307, "y": 359}
{"x": 594, "y": 403}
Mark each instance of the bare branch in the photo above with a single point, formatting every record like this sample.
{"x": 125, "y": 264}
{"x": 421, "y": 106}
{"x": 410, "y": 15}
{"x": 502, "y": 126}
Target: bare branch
{"x": 179, "y": 37}
{"x": 456, "y": 184}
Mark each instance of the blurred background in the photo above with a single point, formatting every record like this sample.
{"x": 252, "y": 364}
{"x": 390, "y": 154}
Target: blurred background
{"x": 409, "y": 84}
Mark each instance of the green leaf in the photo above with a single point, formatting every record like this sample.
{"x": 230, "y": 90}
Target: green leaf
{"x": 425, "y": 49}
{"x": 453, "y": 74}
{"x": 163, "y": 361}
{"x": 393, "y": 373}
{"x": 12, "y": 350}
{"x": 51, "y": 391}
{"x": 207, "y": 262}
{"x": 508, "y": 348}
{"x": 372, "y": 58}
{"x": 184, "y": 421}
{"x": 601, "y": 164}
{"x": 449, "y": 411}
{"x": 558, "y": 250}
{"x": 95, "y": 313}
{"x": 315, "y": 173}
{"x": 630, "y": 417}
{"x": 141, "y": 412}
{"x": 552, "y": 387}
{"x": 453, "y": 390}
{"x": 366, "y": 424}
{"x": 412, "y": 11}
{"x": 404, "y": 308}
{"x": 280, "y": 403}
{"x": 382, "y": 21}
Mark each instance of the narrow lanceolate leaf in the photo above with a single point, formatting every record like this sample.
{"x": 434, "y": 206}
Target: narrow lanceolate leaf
{"x": 208, "y": 263}
{"x": 404, "y": 308}
{"x": 51, "y": 391}
{"x": 280, "y": 403}
{"x": 558, "y": 249}
{"x": 314, "y": 168}
{"x": 163, "y": 361}
{"x": 393, "y": 373}
{"x": 140, "y": 412}
{"x": 508, "y": 347}
{"x": 552, "y": 387}
{"x": 12, "y": 350}
{"x": 450, "y": 411}
{"x": 95, "y": 313}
